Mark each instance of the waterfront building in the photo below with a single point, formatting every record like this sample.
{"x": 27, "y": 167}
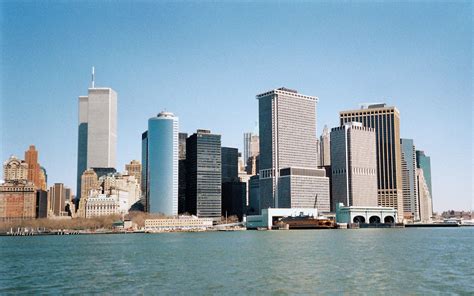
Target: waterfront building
{"x": 411, "y": 205}
{"x": 203, "y": 158}
{"x": 360, "y": 214}
{"x": 251, "y": 145}
{"x": 182, "y": 173}
{"x": 134, "y": 168}
{"x": 17, "y": 193}
{"x": 34, "y": 169}
{"x": 15, "y": 169}
{"x": 97, "y": 131}
{"x": 101, "y": 205}
{"x": 144, "y": 184}
{"x": 386, "y": 122}
{"x": 57, "y": 200}
{"x": 424, "y": 195}
{"x": 254, "y": 195}
{"x": 325, "y": 148}
{"x": 353, "y": 165}
{"x": 178, "y": 223}
{"x": 17, "y": 200}
{"x": 234, "y": 199}
{"x": 287, "y": 122}
{"x": 424, "y": 162}
{"x": 162, "y": 166}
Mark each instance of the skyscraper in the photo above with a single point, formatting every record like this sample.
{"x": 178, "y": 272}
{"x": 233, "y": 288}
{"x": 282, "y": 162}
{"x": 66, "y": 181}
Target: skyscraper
{"x": 386, "y": 122}
{"x": 411, "y": 205}
{"x": 251, "y": 146}
{"x": 182, "y": 137}
{"x": 203, "y": 158}
{"x": 144, "y": 184}
{"x": 229, "y": 163}
{"x": 97, "y": 133}
{"x": 162, "y": 166}
{"x": 325, "y": 147}
{"x": 288, "y": 153}
{"x": 57, "y": 199}
{"x": 426, "y": 203}
{"x": 353, "y": 165}
{"x": 424, "y": 162}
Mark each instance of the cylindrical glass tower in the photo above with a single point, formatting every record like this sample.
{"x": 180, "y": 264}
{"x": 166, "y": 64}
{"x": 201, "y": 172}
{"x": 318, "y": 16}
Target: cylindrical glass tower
{"x": 163, "y": 164}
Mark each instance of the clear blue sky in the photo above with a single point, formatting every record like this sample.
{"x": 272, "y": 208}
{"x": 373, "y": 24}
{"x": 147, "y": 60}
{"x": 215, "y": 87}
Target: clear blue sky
{"x": 206, "y": 63}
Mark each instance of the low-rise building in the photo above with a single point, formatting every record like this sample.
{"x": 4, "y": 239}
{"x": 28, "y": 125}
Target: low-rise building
{"x": 271, "y": 215}
{"x": 179, "y": 223}
{"x": 361, "y": 215}
{"x": 101, "y": 205}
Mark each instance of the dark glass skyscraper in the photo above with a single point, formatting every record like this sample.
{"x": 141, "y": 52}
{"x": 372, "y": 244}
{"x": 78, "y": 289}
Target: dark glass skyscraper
{"x": 203, "y": 190}
{"x": 144, "y": 184}
{"x": 182, "y": 172}
{"x": 230, "y": 164}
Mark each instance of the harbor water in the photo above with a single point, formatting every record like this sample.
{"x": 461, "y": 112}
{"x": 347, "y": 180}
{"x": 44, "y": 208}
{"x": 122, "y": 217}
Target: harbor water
{"x": 365, "y": 261}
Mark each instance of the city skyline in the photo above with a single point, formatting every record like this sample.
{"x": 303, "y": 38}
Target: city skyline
{"x": 421, "y": 112}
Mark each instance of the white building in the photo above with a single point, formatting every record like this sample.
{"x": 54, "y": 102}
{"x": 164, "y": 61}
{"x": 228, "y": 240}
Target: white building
{"x": 265, "y": 220}
{"x": 102, "y": 205}
{"x": 353, "y": 165}
{"x": 424, "y": 195}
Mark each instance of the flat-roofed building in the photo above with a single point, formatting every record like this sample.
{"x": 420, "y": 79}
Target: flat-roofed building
{"x": 353, "y": 165}
{"x": 386, "y": 122}
{"x": 179, "y": 223}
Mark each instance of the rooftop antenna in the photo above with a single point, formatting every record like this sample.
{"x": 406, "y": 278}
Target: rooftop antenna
{"x": 93, "y": 77}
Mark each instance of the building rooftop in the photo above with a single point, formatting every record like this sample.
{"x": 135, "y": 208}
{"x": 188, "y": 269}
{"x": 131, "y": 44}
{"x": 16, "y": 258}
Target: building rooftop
{"x": 288, "y": 92}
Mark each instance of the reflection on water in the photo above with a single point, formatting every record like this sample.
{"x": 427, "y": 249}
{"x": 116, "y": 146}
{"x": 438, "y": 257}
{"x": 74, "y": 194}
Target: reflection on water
{"x": 374, "y": 261}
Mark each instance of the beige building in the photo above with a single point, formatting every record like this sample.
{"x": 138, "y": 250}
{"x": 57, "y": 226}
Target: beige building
{"x": 134, "y": 168}
{"x": 354, "y": 166}
{"x": 17, "y": 194}
{"x": 15, "y": 169}
{"x": 386, "y": 122}
{"x": 89, "y": 185}
{"x": 424, "y": 196}
{"x": 325, "y": 148}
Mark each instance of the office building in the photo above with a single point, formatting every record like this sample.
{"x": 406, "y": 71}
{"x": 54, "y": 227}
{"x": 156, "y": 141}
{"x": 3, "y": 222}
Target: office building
{"x": 426, "y": 204}
{"x": 254, "y": 195}
{"x": 134, "y": 168}
{"x": 41, "y": 204}
{"x": 229, "y": 164}
{"x": 89, "y": 183}
{"x": 101, "y": 205}
{"x": 97, "y": 131}
{"x": 162, "y": 166}
{"x": 325, "y": 148}
{"x": 203, "y": 158}
{"x": 251, "y": 145}
{"x": 57, "y": 200}
{"x": 386, "y": 122}
{"x": 182, "y": 173}
{"x": 287, "y": 125}
{"x": 144, "y": 184}
{"x": 353, "y": 166}
{"x": 424, "y": 162}
{"x": 234, "y": 195}
{"x": 411, "y": 205}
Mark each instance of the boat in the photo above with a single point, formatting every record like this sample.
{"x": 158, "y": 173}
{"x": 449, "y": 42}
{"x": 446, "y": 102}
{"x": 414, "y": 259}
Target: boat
{"x": 308, "y": 222}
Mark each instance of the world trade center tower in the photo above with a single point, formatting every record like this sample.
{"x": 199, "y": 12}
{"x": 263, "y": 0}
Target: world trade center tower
{"x": 97, "y": 131}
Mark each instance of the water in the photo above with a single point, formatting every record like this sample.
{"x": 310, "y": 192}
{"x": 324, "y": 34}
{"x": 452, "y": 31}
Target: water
{"x": 364, "y": 261}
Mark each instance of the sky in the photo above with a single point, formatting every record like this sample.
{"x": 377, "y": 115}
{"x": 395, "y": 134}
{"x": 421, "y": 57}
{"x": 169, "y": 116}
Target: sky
{"x": 206, "y": 61}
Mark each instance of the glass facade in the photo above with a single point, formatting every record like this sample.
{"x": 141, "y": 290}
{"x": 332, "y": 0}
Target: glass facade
{"x": 424, "y": 162}
{"x": 162, "y": 165}
{"x": 144, "y": 184}
{"x": 203, "y": 158}
{"x": 230, "y": 164}
{"x": 81, "y": 155}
